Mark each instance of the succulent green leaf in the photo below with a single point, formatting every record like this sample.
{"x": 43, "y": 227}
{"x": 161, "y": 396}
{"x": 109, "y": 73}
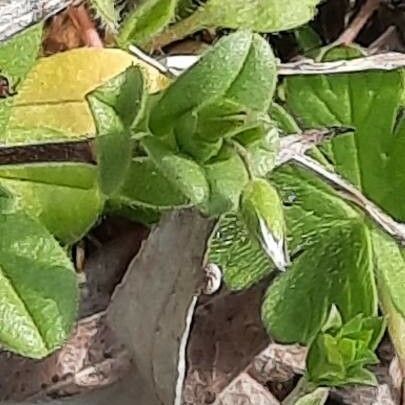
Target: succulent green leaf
{"x": 222, "y": 84}
{"x": 240, "y": 257}
{"x": 64, "y": 197}
{"x": 262, "y": 212}
{"x": 185, "y": 174}
{"x": 116, "y": 108}
{"x": 146, "y": 20}
{"x": 38, "y": 288}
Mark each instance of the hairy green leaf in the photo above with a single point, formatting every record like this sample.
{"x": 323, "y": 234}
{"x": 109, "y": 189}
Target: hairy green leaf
{"x": 261, "y": 16}
{"x": 145, "y": 193}
{"x": 146, "y": 20}
{"x": 222, "y": 84}
{"x": 226, "y": 176}
{"x": 261, "y": 153}
{"x": 146, "y": 186}
{"x": 116, "y": 107}
{"x": 38, "y": 288}
{"x": 62, "y": 196}
{"x": 185, "y": 175}
{"x": 256, "y": 15}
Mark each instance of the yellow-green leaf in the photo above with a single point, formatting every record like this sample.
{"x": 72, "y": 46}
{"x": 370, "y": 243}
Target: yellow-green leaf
{"x": 51, "y": 102}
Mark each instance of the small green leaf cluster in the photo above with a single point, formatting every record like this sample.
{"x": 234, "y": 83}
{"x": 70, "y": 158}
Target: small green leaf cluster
{"x": 206, "y": 140}
{"x": 340, "y": 351}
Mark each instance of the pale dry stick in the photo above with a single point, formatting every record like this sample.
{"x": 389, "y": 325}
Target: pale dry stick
{"x": 388, "y": 224}
{"x": 176, "y": 64}
{"x": 351, "y": 32}
{"x": 383, "y": 61}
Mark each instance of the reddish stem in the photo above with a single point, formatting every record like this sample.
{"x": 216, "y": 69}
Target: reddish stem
{"x": 86, "y": 26}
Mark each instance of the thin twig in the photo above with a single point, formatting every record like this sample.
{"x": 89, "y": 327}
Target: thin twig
{"x": 365, "y": 13}
{"x": 176, "y": 64}
{"x": 298, "y": 144}
{"x": 393, "y": 228}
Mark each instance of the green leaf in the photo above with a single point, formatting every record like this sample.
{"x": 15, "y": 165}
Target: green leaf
{"x": 145, "y": 194}
{"x": 51, "y": 103}
{"x": 263, "y": 152}
{"x": 240, "y": 257}
{"x": 225, "y": 76}
{"x": 262, "y": 212}
{"x": 284, "y": 120}
{"x": 19, "y": 53}
{"x": 116, "y": 108}
{"x": 63, "y": 196}
{"x": 146, "y": 186}
{"x": 307, "y": 38}
{"x": 185, "y": 175}
{"x": 261, "y": 16}
{"x": 332, "y": 249}
{"x": 296, "y": 306}
{"x": 105, "y": 10}
{"x": 369, "y": 102}
{"x": 390, "y": 268}
{"x": 146, "y": 20}
{"x": 337, "y": 358}
{"x": 38, "y": 288}
{"x": 226, "y": 175}
{"x": 17, "y": 56}
{"x": 190, "y": 141}
{"x": 256, "y": 15}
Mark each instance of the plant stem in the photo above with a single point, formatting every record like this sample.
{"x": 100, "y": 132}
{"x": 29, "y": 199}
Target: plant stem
{"x": 86, "y": 26}
{"x": 178, "y": 31}
{"x": 244, "y": 155}
{"x": 351, "y": 32}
